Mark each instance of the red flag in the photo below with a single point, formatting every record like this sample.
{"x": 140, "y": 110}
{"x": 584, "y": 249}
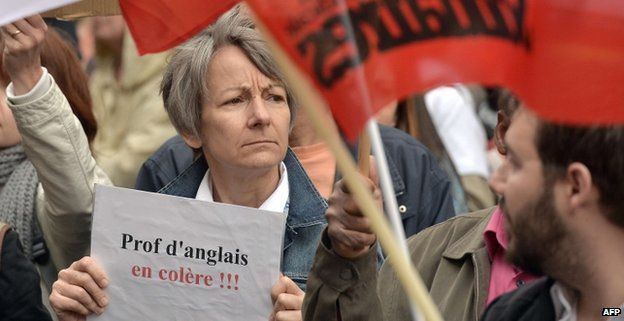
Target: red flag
{"x": 576, "y": 61}
{"x": 157, "y": 25}
{"x": 564, "y": 58}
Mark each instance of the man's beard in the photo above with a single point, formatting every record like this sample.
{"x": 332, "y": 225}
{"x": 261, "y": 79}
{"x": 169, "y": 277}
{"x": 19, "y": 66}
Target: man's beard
{"x": 536, "y": 235}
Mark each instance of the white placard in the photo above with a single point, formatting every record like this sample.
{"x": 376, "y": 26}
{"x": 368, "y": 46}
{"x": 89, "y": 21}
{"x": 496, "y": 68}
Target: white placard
{"x": 171, "y": 258}
{"x": 14, "y": 10}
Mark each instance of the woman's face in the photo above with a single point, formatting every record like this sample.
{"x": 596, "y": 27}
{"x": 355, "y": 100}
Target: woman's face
{"x": 245, "y": 118}
{"x": 9, "y": 135}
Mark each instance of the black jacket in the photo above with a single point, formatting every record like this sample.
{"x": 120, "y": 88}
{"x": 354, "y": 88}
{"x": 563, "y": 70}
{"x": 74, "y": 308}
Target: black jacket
{"x": 422, "y": 188}
{"x": 20, "y": 292}
{"x": 528, "y": 303}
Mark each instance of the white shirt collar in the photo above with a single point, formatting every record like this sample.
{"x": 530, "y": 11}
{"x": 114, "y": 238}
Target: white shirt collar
{"x": 564, "y": 303}
{"x": 277, "y": 201}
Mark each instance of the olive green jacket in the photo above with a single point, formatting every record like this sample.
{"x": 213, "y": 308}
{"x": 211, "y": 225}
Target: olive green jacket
{"x": 452, "y": 260}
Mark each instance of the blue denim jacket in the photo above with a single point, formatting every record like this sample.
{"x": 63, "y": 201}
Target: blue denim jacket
{"x": 304, "y": 224}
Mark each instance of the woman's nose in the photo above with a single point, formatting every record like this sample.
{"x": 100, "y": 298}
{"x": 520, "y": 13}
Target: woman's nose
{"x": 260, "y": 115}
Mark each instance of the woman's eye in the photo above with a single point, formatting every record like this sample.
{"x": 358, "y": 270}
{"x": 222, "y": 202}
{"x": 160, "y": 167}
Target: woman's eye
{"x": 234, "y": 101}
{"x": 276, "y": 98}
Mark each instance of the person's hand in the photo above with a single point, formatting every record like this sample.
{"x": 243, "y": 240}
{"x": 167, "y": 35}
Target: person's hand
{"x": 350, "y": 233}
{"x": 22, "y": 52}
{"x": 78, "y": 292}
{"x": 287, "y": 300}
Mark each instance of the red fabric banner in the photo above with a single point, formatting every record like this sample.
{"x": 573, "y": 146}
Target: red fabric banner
{"x": 564, "y": 58}
{"x": 158, "y": 25}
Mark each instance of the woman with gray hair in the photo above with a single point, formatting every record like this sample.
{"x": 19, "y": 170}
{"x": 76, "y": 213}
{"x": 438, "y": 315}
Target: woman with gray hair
{"x": 227, "y": 99}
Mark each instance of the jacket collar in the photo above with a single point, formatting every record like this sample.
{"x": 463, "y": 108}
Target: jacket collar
{"x": 471, "y": 247}
{"x": 187, "y": 182}
{"x": 471, "y": 242}
{"x": 397, "y": 180}
{"x": 306, "y": 204}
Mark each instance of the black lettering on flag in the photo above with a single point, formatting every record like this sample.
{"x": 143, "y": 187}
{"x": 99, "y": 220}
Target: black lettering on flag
{"x": 412, "y": 21}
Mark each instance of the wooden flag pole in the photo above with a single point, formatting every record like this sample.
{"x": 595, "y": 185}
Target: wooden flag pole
{"x": 364, "y": 147}
{"x": 310, "y": 100}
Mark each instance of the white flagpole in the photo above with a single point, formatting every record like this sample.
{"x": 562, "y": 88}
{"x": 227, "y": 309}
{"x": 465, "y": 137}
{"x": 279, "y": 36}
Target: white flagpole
{"x": 389, "y": 197}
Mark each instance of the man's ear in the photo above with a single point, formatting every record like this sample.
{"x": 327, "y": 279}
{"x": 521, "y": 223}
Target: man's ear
{"x": 192, "y": 141}
{"x": 499, "y": 132}
{"x": 581, "y": 190}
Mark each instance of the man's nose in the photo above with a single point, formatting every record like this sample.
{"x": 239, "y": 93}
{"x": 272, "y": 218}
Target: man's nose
{"x": 499, "y": 178}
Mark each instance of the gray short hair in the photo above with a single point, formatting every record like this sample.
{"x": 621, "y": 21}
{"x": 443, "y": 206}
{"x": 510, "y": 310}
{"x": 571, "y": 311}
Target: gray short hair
{"x": 184, "y": 83}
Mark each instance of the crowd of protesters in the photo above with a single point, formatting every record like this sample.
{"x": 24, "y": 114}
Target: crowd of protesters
{"x": 508, "y": 217}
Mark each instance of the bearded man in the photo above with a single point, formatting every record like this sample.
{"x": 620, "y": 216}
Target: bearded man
{"x": 563, "y": 200}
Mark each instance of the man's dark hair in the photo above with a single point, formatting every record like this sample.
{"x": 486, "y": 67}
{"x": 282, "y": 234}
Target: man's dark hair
{"x": 601, "y": 149}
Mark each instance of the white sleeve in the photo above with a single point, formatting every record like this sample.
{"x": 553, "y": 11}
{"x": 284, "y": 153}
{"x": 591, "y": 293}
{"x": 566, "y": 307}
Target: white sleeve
{"x": 57, "y": 146}
{"x": 459, "y": 129}
{"x": 41, "y": 87}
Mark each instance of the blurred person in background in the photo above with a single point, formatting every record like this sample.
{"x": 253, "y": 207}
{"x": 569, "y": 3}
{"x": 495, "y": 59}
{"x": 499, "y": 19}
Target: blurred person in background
{"x": 421, "y": 188}
{"x": 47, "y": 169}
{"x": 445, "y": 121}
{"x": 19, "y": 281}
{"x": 129, "y": 111}
{"x": 21, "y": 297}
